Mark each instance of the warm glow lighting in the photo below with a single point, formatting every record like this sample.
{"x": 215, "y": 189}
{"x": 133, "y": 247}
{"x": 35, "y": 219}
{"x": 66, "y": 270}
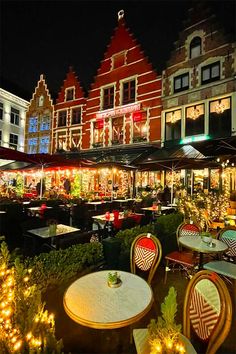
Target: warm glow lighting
{"x": 195, "y": 113}
{"x": 219, "y": 108}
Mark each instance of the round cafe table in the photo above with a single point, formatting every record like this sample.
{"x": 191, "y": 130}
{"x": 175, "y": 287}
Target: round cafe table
{"x": 195, "y": 243}
{"x": 89, "y": 301}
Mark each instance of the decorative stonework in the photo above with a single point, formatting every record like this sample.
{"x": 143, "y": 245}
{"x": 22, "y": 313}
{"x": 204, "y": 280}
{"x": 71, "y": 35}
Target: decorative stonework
{"x": 219, "y": 90}
{"x": 173, "y": 102}
{"x": 195, "y": 96}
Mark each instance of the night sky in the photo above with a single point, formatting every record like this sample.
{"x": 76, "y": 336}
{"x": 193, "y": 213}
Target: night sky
{"x": 49, "y": 36}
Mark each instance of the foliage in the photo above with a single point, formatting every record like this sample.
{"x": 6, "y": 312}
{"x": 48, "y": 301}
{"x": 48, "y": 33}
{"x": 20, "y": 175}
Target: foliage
{"x": 19, "y": 185}
{"x": 127, "y": 236}
{"x": 164, "y": 332}
{"x": 202, "y": 209}
{"x": 167, "y": 224}
{"x": 58, "y": 267}
{"x": 76, "y": 186}
{"x": 113, "y": 278}
{"x": 25, "y": 326}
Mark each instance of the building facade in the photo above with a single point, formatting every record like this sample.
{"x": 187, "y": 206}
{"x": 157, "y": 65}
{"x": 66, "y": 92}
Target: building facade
{"x": 39, "y": 121}
{"x": 198, "y": 83}
{"x": 124, "y": 103}
{"x": 12, "y": 120}
{"x": 68, "y": 115}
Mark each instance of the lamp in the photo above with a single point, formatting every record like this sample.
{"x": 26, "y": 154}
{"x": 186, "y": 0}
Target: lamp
{"x": 173, "y": 118}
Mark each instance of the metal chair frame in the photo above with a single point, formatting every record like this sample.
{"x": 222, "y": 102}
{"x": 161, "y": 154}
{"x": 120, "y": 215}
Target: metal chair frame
{"x": 223, "y": 324}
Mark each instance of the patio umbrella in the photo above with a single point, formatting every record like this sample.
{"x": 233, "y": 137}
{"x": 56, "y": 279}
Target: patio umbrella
{"x": 173, "y": 159}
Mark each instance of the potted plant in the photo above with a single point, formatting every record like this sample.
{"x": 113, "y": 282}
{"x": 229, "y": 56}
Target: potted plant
{"x": 232, "y": 200}
{"x": 113, "y": 280}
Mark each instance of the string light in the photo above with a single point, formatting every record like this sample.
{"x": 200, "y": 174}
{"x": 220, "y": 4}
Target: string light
{"x": 219, "y": 107}
{"x": 195, "y": 113}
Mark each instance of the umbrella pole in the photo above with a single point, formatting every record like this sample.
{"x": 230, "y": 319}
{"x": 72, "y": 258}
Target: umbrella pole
{"x": 172, "y": 185}
{"x": 41, "y": 183}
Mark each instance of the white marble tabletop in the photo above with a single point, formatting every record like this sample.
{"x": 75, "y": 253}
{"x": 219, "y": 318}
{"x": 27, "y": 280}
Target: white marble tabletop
{"x": 60, "y": 230}
{"x": 195, "y": 243}
{"x": 124, "y": 200}
{"x": 92, "y": 303}
{"x": 121, "y": 216}
{"x": 38, "y": 208}
{"x": 156, "y": 208}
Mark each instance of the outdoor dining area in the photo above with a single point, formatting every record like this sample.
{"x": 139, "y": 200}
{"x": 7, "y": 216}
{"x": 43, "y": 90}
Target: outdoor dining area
{"x": 113, "y": 262}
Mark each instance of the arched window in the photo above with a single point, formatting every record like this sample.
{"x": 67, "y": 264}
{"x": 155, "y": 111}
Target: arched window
{"x": 195, "y": 47}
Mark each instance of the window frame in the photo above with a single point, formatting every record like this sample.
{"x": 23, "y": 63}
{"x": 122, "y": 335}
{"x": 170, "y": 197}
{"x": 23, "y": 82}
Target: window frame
{"x": 1, "y": 110}
{"x": 192, "y": 46}
{"x": 210, "y": 67}
{"x": 111, "y": 100}
{"x": 67, "y": 91}
{"x": 180, "y": 77}
{"x": 64, "y": 118}
{"x": 13, "y": 144}
{"x": 14, "y": 116}
{"x": 79, "y": 108}
{"x": 36, "y": 145}
{"x": 130, "y": 99}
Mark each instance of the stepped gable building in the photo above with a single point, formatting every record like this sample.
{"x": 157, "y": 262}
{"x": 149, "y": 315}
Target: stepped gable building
{"x": 198, "y": 84}
{"x": 39, "y": 118}
{"x": 124, "y": 103}
{"x": 68, "y": 115}
{"x": 12, "y": 120}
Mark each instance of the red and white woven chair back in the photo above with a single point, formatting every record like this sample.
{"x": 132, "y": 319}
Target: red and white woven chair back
{"x": 189, "y": 230}
{"x": 144, "y": 253}
{"x": 204, "y": 308}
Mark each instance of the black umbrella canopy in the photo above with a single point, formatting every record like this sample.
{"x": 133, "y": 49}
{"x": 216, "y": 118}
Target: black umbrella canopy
{"x": 42, "y": 160}
{"x": 176, "y": 158}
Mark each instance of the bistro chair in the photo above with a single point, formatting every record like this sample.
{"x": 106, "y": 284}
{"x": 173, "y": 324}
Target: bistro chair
{"x": 228, "y": 236}
{"x": 207, "y": 312}
{"x": 182, "y": 260}
{"x": 145, "y": 255}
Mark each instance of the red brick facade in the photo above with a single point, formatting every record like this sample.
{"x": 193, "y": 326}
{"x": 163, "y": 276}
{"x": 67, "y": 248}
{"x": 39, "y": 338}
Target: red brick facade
{"x": 124, "y": 103}
{"x": 68, "y": 114}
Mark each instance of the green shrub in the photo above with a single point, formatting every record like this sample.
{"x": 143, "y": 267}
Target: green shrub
{"x": 165, "y": 229}
{"x": 59, "y": 267}
{"x": 127, "y": 236}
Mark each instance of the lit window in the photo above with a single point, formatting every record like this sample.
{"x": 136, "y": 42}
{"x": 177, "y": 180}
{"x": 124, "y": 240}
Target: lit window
{"x": 61, "y": 141}
{"x": 129, "y": 89}
{"x": 181, "y": 83}
{"x": 44, "y": 145}
{"x": 33, "y": 124}
{"x": 108, "y": 97}
{"x": 1, "y": 110}
{"x": 13, "y": 141}
{"x": 76, "y": 139}
{"x": 173, "y": 125}
{"x": 41, "y": 100}
{"x": 62, "y": 118}
{"x": 211, "y": 73}
{"x": 70, "y": 94}
{"x": 194, "y": 120}
{"x": 140, "y": 128}
{"x": 220, "y": 118}
{"x": 98, "y": 133}
{"x": 76, "y": 116}
{"x": 117, "y": 130}
{"x": 195, "y": 47}
{"x": 15, "y": 116}
{"x": 45, "y": 123}
{"x": 32, "y": 146}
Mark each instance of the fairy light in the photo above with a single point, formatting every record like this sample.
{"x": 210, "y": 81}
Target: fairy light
{"x": 15, "y": 291}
